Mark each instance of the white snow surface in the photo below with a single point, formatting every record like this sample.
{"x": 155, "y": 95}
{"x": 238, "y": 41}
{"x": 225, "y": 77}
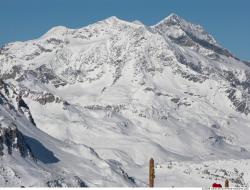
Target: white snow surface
{"x": 123, "y": 93}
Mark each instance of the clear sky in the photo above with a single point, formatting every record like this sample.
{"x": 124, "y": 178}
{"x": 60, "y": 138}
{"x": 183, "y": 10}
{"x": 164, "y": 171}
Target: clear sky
{"x": 227, "y": 20}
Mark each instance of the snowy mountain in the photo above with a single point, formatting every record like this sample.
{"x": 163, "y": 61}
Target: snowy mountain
{"x": 91, "y": 106}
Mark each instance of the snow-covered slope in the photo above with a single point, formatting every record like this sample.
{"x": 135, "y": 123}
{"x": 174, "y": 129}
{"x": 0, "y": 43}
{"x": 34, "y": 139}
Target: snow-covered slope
{"x": 105, "y": 98}
{"x": 30, "y": 157}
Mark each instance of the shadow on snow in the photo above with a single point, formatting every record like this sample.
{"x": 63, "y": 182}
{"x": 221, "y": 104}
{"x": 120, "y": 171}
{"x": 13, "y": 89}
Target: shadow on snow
{"x": 40, "y": 152}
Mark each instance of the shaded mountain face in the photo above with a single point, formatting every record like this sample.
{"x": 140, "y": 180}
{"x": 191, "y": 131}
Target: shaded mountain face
{"x": 11, "y": 139}
{"x": 129, "y": 92}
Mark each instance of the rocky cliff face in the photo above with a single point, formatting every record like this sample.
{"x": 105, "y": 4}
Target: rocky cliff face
{"x": 12, "y": 140}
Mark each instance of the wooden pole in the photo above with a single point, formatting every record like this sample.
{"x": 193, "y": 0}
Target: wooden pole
{"x": 226, "y": 183}
{"x": 151, "y": 173}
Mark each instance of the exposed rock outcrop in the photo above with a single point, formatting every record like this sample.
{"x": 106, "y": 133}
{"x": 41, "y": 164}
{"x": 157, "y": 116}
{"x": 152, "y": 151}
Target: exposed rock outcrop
{"x": 12, "y": 140}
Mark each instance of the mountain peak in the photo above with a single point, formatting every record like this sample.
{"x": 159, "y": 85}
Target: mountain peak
{"x": 113, "y": 21}
{"x": 173, "y": 16}
{"x": 173, "y": 19}
{"x": 112, "y": 18}
{"x": 175, "y": 24}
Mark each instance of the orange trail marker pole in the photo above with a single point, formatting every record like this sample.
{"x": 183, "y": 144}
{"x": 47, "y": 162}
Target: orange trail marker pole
{"x": 151, "y": 173}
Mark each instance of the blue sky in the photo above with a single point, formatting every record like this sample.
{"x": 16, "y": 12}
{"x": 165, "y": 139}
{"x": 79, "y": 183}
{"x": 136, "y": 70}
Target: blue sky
{"x": 227, "y": 20}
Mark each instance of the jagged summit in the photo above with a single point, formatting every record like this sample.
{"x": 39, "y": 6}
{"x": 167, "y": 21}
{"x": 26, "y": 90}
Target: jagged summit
{"x": 189, "y": 34}
{"x": 174, "y": 18}
{"x": 196, "y": 30}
